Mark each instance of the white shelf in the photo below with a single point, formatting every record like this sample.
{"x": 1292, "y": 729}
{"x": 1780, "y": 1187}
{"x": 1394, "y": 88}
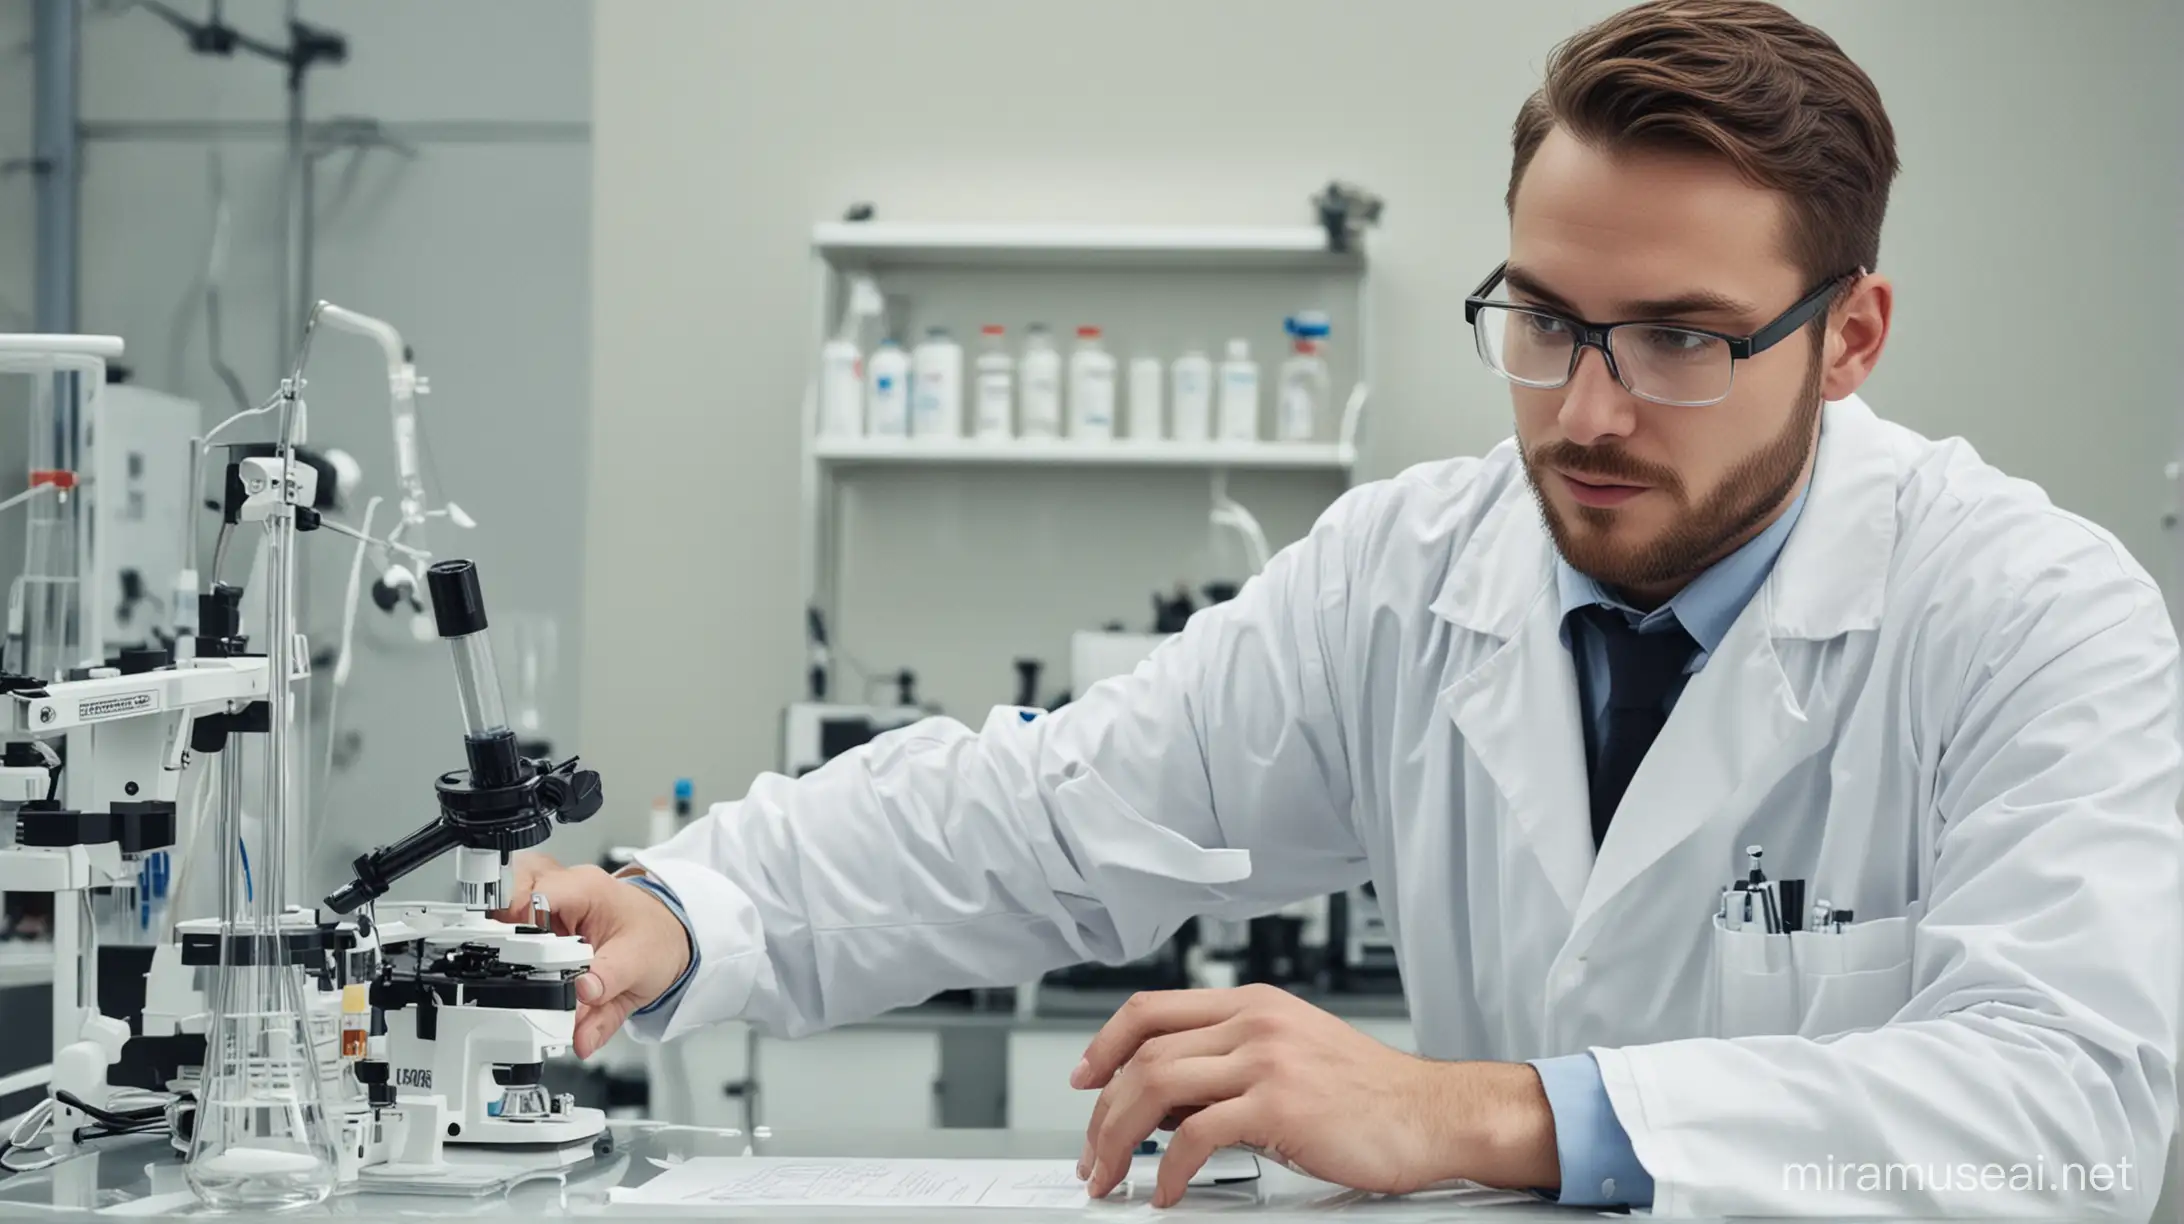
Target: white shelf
{"x": 1063, "y": 452}
{"x": 864, "y": 243}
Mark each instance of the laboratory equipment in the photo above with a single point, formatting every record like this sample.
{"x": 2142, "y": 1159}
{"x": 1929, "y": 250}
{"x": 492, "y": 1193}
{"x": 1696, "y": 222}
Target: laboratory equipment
{"x": 841, "y": 370}
{"x": 1190, "y": 410}
{"x": 1027, "y": 683}
{"x": 1303, "y": 381}
{"x": 668, "y": 818}
{"x": 887, "y": 392}
{"x": 397, "y": 584}
{"x": 1039, "y": 385}
{"x": 473, "y": 1006}
{"x": 1345, "y": 209}
{"x": 841, "y": 390}
{"x": 936, "y": 386}
{"x": 1239, "y": 394}
{"x": 1359, "y": 929}
{"x": 260, "y": 1137}
{"x": 996, "y": 372}
{"x": 660, "y": 823}
{"x": 841, "y": 367}
{"x": 1091, "y": 388}
{"x": 815, "y": 732}
{"x": 1145, "y": 378}
{"x": 137, "y": 459}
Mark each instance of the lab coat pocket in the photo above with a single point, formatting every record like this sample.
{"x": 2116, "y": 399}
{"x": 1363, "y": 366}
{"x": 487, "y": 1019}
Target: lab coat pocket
{"x": 1755, "y": 983}
{"x": 1143, "y": 872}
{"x": 1856, "y": 979}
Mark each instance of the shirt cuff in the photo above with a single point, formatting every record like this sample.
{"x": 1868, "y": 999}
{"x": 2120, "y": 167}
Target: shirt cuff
{"x": 664, "y": 1006}
{"x": 1599, "y": 1166}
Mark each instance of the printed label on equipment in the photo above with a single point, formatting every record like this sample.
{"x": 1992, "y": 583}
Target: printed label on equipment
{"x": 121, "y": 705}
{"x": 413, "y": 1077}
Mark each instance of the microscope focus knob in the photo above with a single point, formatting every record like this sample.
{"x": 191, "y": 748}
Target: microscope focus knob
{"x": 575, "y": 795}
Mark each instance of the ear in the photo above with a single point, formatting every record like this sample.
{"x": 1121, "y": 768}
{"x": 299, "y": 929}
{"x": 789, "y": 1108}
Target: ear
{"x": 1857, "y": 331}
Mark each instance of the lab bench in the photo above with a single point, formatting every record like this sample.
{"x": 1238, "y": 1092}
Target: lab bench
{"x": 141, "y": 1176}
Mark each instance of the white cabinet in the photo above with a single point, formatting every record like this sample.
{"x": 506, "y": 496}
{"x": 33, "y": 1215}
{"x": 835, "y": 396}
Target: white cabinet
{"x": 1040, "y": 1097}
{"x": 855, "y": 1078}
{"x": 691, "y": 1077}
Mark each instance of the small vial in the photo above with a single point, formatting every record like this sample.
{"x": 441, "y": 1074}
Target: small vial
{"x": 356, "y": 1021}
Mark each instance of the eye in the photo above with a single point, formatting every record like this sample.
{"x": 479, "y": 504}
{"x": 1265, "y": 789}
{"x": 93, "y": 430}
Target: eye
{"x": 1675, "y": 342}
{"x": 1543, "y": 326}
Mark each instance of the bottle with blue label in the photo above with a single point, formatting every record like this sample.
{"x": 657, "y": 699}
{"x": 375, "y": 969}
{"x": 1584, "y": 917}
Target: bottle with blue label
{"x": 1304, "y": 383}
{"x": 887, "y": 392}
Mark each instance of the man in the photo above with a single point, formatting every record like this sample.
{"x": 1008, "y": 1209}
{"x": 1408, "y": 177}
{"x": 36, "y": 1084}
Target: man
{"x": 1545, "y": 699}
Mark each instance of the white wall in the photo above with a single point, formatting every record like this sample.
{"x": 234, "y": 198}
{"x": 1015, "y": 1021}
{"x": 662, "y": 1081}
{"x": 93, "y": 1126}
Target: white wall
{"x": 2033, "y": 237}
{"x": 476, "y": 249}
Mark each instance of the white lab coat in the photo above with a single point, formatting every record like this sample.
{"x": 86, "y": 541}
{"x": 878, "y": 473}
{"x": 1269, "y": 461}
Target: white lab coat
{"x": 1952, "y": 708}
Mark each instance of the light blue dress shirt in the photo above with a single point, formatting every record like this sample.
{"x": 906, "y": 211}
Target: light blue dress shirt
{"x": 1599, "y": 1167}
{"x": 667, "y": 1000}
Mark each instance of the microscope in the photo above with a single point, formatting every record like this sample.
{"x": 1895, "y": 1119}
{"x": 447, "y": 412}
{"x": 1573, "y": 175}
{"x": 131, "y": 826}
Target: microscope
{"x": 472, "y": 1007}
{"x": 126, "y": 731}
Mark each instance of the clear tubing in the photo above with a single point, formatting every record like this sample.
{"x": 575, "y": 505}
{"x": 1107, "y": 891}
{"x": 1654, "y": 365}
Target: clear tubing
{"x": 477, "y": 685}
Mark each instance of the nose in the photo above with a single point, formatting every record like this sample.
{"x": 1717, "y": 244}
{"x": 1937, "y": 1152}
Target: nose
{"x": 1594, "y": 405}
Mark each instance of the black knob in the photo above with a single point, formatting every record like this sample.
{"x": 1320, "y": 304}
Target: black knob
{"x": 519, "y": 1074}
{"x": 578, "y": 796}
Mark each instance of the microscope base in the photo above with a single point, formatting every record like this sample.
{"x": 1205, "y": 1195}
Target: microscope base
{"x": 580, "y": 1124}
{"x": 437, "y": 1165}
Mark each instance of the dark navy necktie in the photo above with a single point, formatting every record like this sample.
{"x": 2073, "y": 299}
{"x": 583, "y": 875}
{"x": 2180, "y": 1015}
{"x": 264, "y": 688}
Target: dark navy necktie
{"x": 1643, "y": 669}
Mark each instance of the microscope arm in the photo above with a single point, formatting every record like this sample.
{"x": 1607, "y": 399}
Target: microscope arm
{"x": 567, "y": 791}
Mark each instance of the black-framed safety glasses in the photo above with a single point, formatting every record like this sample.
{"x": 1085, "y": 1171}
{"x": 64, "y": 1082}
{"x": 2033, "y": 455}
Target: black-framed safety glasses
{"x": 1667, "y": 363}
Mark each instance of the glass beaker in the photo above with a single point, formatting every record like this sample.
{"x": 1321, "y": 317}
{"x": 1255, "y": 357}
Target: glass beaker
{"x": 262, "y": 1138}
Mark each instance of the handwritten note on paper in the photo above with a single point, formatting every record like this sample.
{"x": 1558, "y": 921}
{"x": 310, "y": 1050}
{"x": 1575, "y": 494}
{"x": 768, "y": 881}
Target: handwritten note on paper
{"x": 764, "y": 1181}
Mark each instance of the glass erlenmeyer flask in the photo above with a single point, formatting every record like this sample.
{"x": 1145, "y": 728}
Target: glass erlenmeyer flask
{"x": 262, "y": 1138}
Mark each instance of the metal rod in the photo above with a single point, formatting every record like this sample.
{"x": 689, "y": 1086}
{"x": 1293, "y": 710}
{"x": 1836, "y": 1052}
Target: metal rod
{"x": 295, "y": 209}
{"x": 54, "y": 49}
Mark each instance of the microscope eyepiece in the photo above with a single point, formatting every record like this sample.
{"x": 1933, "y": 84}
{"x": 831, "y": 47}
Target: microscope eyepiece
{"x": 458, "y": 605}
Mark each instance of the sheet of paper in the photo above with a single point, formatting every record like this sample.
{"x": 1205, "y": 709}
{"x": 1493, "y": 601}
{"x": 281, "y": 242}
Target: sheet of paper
{"x": 780, "y": 1181}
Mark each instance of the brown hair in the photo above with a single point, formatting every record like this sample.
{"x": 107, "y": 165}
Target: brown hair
{"x": 1744, "y": 81}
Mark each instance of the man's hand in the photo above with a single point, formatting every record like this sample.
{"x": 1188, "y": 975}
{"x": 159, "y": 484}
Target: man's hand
{"x": 639, "y": 947}
{"x": 1260, "y": 1067}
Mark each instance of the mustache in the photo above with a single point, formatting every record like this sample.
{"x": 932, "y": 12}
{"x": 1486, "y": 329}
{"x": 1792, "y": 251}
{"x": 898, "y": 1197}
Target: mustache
{"x": 1608, "y": 463}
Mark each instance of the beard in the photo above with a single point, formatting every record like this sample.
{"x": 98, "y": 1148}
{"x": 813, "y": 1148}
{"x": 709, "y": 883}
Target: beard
{"x": 1701, "y": 535}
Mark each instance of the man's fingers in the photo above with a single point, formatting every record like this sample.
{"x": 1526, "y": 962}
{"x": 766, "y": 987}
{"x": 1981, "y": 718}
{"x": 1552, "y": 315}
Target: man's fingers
{"x": 1196, "y": 1140}
{"x": 577, "y": 896}
{"x": 1193, "y": 1043}
{"x": 1148, "y": 1093}
{"x": 625, "y": 963}
{"x": 596, "y": 1023}
{"x": 524, "y": 871}
{"x": 1149, "y": 1014}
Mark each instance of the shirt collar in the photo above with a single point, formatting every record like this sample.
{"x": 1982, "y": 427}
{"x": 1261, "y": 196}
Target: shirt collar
{"x": 1711, "y": 603}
